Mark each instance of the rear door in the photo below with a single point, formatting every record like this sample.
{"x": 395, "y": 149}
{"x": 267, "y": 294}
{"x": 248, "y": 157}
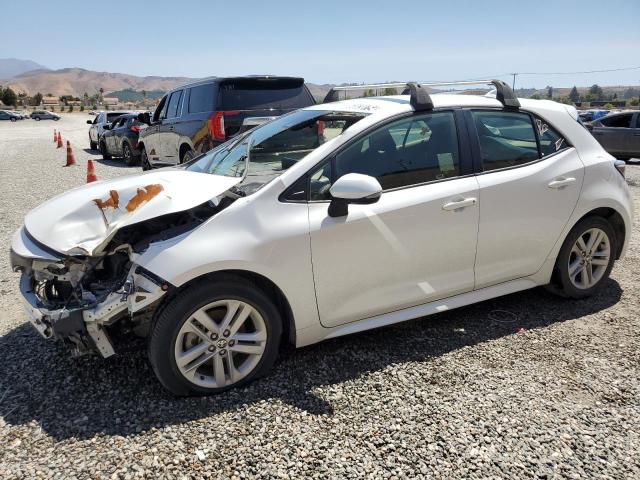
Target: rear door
{"x": 530, "y": 180}
{"x": 259, "y": 97}
{"x": 614, "y": 133}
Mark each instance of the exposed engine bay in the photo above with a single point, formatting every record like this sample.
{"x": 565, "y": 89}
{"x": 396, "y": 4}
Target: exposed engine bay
{"x": 91, "y": 301}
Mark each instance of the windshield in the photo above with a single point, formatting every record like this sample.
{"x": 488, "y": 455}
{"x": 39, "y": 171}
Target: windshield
{"x": 262, "y": 154}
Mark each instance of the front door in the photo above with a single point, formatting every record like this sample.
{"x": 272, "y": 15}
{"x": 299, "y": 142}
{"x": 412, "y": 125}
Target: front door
{"x": 415, "y": 245}
{"x": 529, "y": 186}
{"x": 168, "y": 136}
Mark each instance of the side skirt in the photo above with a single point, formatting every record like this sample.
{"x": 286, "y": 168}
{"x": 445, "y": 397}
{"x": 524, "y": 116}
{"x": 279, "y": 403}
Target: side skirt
{"x": 318, "y": 333}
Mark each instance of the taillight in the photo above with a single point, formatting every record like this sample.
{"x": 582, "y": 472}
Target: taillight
{"x": 216, "y": 124}
{"x": 621, "y": 166}
{"x": 320, "y": 128}
{"x": 135, "y": 128}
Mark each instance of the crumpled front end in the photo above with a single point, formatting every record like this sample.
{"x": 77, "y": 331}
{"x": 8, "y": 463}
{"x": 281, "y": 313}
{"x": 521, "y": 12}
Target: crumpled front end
{"x": 84, "y": 301}
{"x": 77, "y": 253}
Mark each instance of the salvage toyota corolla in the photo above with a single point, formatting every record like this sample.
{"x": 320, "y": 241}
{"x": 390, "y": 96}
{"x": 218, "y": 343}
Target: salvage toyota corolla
{"x": 330, "y": 220}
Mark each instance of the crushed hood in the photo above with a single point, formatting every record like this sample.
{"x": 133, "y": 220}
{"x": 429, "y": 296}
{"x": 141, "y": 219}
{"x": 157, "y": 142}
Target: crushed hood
{"x": 82, "y": 220}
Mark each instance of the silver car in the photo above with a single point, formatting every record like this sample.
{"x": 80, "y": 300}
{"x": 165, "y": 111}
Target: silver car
{"x": 98, "y": 123}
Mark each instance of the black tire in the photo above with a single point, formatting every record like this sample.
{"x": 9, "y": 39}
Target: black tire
{"x": 144, "y": 160}
{"x": 56, "y": 118}
{"x": 92, "y": 145}
{"x": 561, "y": 281}
{"x": 187, "y": 156}
{"x": 127, "y": 154}
{"x": 37, "y": 119}
{"x": 13, "y": 119}
{"x": 104, "y": 152}
{"x": 181, "y": 307}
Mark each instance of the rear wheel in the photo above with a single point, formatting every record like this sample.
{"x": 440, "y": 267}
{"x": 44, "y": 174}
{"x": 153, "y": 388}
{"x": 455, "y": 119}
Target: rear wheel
{"x": 187, "y": 156}
{"x": 127, "y": 154}
{"x": 37, "y": 119}
{"x": 13, "y": 119}
{"x": 586, "y": 258}
{"x": 215, "y": 336}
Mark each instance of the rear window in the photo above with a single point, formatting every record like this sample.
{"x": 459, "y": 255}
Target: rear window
{"x": 263, "y": 95}
{"x": 201, "y": 99}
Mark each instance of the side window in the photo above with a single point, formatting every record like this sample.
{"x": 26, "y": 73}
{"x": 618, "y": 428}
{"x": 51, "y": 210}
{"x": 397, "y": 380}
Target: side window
{"x": 618, "y": 121}
{"x": 201, "y": 98}
{"x": 410, "y": 151}
{"x": 173, "y": 110}
{"x": 550, "y": 140}
{"x": 638, "y": 121}
{"x": 506, "y": 139}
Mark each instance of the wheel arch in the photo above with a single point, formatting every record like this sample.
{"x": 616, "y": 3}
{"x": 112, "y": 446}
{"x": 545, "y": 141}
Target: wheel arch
{"x": 615, "y": 219}
{"x": 267, "y": 286}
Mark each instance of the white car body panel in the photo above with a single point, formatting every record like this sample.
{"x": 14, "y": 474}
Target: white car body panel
{"x": 400, "y": 258}
{"x": 75, "y": 222}
{"x": 521, "y": 216}
{"x": 389, "y": 255}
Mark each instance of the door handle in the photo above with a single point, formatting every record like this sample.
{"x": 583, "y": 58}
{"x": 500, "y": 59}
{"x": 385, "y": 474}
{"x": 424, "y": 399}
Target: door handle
{"x": 561, "y": 182}
{"x": 455, "y": 205}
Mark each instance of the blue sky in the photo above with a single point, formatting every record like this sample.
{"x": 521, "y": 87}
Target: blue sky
{"x": 333, "y": 41}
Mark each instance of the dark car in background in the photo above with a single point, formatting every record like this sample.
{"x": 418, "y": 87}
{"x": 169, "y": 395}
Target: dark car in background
{"x": 194, "y": 118}
{"x": 120, "y": 139}
{"x": 98, "y": 123}
{"x": 44, "y": 115}
{"x": 6, "y": 115}
{"x": 619, "y": 134}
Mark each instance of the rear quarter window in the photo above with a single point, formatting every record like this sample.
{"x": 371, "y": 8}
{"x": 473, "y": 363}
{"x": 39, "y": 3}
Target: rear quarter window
{"x": 201, "y": 98}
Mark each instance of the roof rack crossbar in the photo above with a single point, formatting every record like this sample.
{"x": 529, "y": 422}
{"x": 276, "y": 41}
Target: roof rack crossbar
{"x": 420, "y": 99}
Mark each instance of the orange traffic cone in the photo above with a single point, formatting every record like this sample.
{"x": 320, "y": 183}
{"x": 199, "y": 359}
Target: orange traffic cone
{"x": 55, "y": 136}
{"x": 59, "y": 140}
{"x": 70, "y": 160}
{"x": 91, "y": 172}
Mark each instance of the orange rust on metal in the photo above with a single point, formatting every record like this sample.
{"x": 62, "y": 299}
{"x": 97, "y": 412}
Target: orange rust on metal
{"x": 144, "y": 195}
{"x": 113, "y": 201}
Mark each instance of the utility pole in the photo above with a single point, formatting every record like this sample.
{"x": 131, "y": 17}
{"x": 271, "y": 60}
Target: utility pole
{"x": 513, "y": 85}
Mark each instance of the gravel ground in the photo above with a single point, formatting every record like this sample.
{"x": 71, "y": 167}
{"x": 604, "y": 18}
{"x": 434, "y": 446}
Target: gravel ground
{"x": 524, "y": 386}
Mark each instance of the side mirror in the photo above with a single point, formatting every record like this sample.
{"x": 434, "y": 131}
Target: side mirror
{"x": 144, "y": 118}
{"x": 106, "y": 126}
{"x": 90, "y": 122}
{"x": 353, "y": 188}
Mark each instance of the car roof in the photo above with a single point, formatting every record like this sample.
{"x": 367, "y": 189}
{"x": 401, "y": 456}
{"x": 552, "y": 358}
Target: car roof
{"x": 207, "y": 80}
{"x": 396, "y": 104}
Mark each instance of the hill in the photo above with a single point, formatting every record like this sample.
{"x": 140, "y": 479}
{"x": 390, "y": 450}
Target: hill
{"x": 10, "y": 67}
{"x": 77, "y": 81}
{"x": 130, "y": 95}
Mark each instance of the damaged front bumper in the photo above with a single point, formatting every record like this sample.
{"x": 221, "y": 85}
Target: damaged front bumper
{"x": 82, "y": 325}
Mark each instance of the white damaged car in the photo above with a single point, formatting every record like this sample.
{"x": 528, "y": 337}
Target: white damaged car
{"x": 327, "y": 221}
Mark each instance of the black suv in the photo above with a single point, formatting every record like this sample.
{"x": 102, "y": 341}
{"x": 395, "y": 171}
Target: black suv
{"x": 194, "y": 118}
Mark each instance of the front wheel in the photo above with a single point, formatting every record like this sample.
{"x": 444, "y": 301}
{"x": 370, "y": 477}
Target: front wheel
{"x": 104, "y": 151}
{"x": 187, "y": 156}
{"x": 586, "y": 258}
{"x": 37, "y": 119}
{"x": 92, "y": 145}
{"x": 144, "y": 159}
{"x": 13, "y": 119}
{"x": 215, "y": 336}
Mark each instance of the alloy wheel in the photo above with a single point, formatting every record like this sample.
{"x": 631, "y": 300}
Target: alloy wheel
{"x": 589, "y": 258}
{"x": 220, "y": 343}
